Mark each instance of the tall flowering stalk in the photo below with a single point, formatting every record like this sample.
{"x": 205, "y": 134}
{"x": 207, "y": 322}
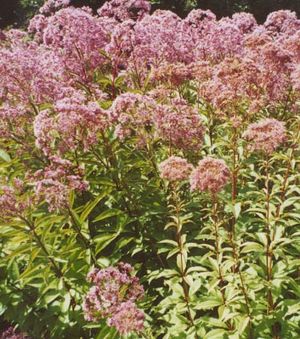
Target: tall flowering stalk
{"x": 175, "y": 170}
{"x": 236, "y": 125}
{"x": 269, "y": 233}
{"x": 177, "y": 208}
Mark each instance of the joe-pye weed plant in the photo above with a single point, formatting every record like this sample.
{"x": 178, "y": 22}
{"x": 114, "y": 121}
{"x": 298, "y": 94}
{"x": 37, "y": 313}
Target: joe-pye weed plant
{"x": 150, "y": 174}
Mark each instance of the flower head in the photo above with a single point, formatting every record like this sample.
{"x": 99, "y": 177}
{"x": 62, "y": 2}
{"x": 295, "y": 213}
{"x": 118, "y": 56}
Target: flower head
{"x": 210, "y": 175}
{"x": 179, "y": 125}
{"x": 11, "y": 333}
{"x": 112, "y": 287}
{"x": 128, "y": 318}
{"x": 175, "y": 168}
{"x": 265, "y": 135}
{"x": 55, "y": 182}
{"x": 123, "y": 10}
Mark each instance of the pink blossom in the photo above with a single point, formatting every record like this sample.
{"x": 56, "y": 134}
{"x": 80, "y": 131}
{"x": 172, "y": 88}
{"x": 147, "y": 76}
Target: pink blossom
{"x": 174, "y": 74}
{"x": 2, "y": 36}
{"x": 179, "y": 125}
{"x": 123, "y": 10}
{"x": 13, "y": 200}
{"x": 175, "y": 168}
{"x": 265, "y": 135}
{"x": 127, "y": 318}
{"x": 245, "y": 22}
{"x": 53, "y": 5}
{"x": 282, "y": 21}
{"x": 199, "y": 18}
{"x": 72, "y": 123}
{"x": 210, "y": 175}
{"x": 296, "y": 78}
{"x": 55, "y": 182}
{"x": 132, "y": 114}
{"x": 112, "y": 287}
{"x": 11, "y": 333}
{"x": 78, "y": 37}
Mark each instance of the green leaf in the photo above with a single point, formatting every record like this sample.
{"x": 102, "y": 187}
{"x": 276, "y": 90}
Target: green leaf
{"x": 108, "y": 214}
{"x": 92, "y": 204}
{"x": 4, "y": 156}
{"x": 208, "y": 304}
{"x": 243, "y": 325}
{"x": 215, "y": 334}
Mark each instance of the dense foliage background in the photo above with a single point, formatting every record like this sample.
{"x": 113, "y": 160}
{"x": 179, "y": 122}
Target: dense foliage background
{"x": 149, "y": 174}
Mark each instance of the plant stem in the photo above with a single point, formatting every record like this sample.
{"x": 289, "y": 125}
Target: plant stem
{"x": 217, "y": 244}
{"x": 269, "y": 253}
{"x": 182, "y": 254}
{"x": 232, "y": 233}
{"x": 56, "y": 269}
{"x": 87, "y": 243}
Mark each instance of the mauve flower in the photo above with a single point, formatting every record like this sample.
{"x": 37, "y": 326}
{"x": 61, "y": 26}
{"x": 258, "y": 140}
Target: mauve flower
{"x": 55, "y": 182}
{"x": 11, "y": 333}
{"x": 175, "y": 169}
{"x": 13, "y": 202}
{"x": 210, "y": 175}
{"x": 282, "y": 21}
{"x": 296, "y": 78}
{"x": 127, "y": 318}
{"x": 174, "y": 74}
{"x": 265, "y": 135}
{"x": 245, "y": 21}
{"x": 179, "y": 125}
{"x": 77, "y": 36}
{"x": 132, "y": 114}
{"x": 2, "y": 36}
{"x": 123, "y": 10}
{"x": 112, "y": 287}
{"x": 73, "y": 123}
{"x": 197, "y": 18}
{"x": 53, "y": 5}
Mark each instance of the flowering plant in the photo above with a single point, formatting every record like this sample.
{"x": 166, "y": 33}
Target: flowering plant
{"x": 159, "y": 158}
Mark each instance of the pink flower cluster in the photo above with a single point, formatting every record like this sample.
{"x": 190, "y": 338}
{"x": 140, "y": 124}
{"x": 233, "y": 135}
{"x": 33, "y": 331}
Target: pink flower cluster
{"x": 210, "y": 175}
{"x": 11, "y": 333}
{"x": 55, "y": 182}
{"x": 133, "y": 113}
{"x": 113, "y": 296}
{"x": 53, "y": 5}
{"x": 73, "y": 122}
{"x": 13, "y": 201}
{"x": 123, "y": 10}
{"x": 265, "y": 135}
{"x": 128, "y": 318}
{"x": 175, "y": 169}
{"x": 179, "y": 125}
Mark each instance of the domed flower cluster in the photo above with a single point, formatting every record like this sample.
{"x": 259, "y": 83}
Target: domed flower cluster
{"x": 55, "y": 182}
{"x": 179, "y": 125}
{"x": 123, "y": 10}
{"x": 128, "y": 318}
{"x": 11, "y": 333}
{"x": 210, "y": 175}
{"x": 71, "y": 123}
{"x": 53, "y": 5}
{"x": 265, "y": 135}
{"x": 175, "y": 169}
{"x": 113, "y": 295}
{"x": 13, "y": 201}
{"x": 176, "y": 123}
